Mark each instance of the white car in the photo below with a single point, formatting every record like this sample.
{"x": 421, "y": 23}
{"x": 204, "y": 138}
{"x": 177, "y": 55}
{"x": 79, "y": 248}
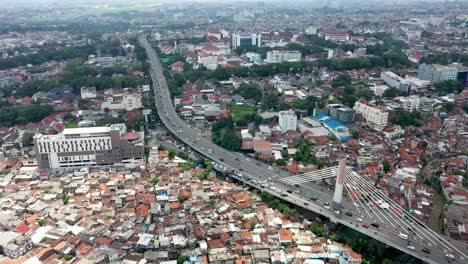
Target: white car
{"x": 359, "y": 219}
{"x": 355, "y": 204}
{"x": 450, "y": 256}
{"x": 410, "y": 247}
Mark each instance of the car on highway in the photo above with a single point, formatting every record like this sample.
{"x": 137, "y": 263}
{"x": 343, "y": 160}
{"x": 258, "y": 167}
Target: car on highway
{"x": 348, "y": 214}
{"x": 359, "y": 219}
{"x": 289, "y": 191}
{"x": 365, "y": 226}
{"x": 403, "y": 236}
{"x": 426, "y": 250}
{"x": 410, "y": 247}
{"x": 450, "y": 256}
{"x": 375, "y": 225}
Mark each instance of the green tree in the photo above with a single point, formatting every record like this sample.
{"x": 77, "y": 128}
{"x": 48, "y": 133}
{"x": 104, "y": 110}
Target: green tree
{"x": 341, "y": 80}
{"x": 249, "y": 91}
{"x": 171, "y": 154}
{"x": 317, "y": 229}
{"x": 270, "y": 102}
{"x": 27, "y": 139}
{"x": 391, "y": 93}
{"x": 181, "y": 259}
{"x": 42, "y": 222}
{"x": 280, "y": 162}
{"x": 449, "y": 86}
{"x": 386, "y": 166}
{"x": 404, "y": 119}
{"x": 212, "y": 203}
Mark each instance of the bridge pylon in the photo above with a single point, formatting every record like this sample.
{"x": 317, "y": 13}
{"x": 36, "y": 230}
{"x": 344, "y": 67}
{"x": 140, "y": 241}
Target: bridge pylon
{"x": 338, "y": 195}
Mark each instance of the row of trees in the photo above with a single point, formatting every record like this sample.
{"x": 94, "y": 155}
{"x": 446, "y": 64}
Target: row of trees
{"x": 20, "y": 115}
{"x": 48, "y": 54}
{"x": 77, "y": 75}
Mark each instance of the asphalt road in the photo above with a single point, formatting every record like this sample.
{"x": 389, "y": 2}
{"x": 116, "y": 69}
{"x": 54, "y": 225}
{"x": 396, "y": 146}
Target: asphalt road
{"x": 256, "y": 174}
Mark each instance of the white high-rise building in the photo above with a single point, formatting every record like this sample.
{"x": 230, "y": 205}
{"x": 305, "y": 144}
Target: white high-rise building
{"x": 437, "y": 73}
{"x": 374, "y": 115}
{"x": 287, "y": 121}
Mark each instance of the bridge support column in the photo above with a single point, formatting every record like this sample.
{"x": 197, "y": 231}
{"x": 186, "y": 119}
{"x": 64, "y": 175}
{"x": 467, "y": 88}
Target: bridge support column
{"x": 338, "y": 195}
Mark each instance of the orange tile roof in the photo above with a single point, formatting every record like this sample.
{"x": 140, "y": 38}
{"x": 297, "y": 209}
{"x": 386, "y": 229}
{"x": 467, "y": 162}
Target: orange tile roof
{"x": 174, "y": 205}
{"x": 285, "y": 234}
{"x": 215, "y": 243}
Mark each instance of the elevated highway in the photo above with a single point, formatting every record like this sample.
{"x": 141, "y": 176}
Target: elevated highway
{"x": 309, "y": 195}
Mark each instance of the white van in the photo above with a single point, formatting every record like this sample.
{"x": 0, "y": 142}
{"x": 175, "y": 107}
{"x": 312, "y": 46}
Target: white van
{"x": 403, "y": 236}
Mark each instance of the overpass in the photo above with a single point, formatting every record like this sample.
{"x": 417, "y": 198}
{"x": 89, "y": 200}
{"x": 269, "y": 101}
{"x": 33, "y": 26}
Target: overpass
{"x": 366, "y": 214}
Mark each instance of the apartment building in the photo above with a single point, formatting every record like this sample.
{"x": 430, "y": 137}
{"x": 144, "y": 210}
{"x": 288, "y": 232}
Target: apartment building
{"x": 88, "y": 146}
{"x": 376, "y": 116}
{"x": 278, "y": 56}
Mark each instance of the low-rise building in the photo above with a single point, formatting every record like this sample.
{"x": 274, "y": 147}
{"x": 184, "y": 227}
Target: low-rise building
{"x": 409, "y": 104}
{"x": 122, "y": 99}
{"x": 376, "y": 116}
{"x": 278, "y": 56}
{"x": 88, "y": 92}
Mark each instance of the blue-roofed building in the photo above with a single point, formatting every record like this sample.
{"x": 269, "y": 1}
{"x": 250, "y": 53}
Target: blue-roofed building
{"x": 337, "y": 128}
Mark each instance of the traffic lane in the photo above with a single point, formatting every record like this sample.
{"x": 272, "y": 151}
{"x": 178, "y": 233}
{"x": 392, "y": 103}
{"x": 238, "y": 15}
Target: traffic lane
{"x": 388, "y": 232}
{"x": 347, "y": 220}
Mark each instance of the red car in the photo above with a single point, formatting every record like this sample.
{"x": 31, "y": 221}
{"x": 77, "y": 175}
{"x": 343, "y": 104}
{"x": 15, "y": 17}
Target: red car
{"x": 366, "y": 226}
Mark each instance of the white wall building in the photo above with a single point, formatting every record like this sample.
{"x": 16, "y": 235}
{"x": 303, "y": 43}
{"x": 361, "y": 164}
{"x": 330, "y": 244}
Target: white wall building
{"x": 395, "y": 81}
{"x": 127, "y": 100}
{"x": 90, "y": 146}
{"x": 287, "y": 121}
{"x": 278, "y": 56}
{"x": 88, "y": 92}
{"x": 208, "y": 60}
{"x": 409, "y": 104}
{"x": 379, "y": 89}
{"x": 374, "y": 115}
